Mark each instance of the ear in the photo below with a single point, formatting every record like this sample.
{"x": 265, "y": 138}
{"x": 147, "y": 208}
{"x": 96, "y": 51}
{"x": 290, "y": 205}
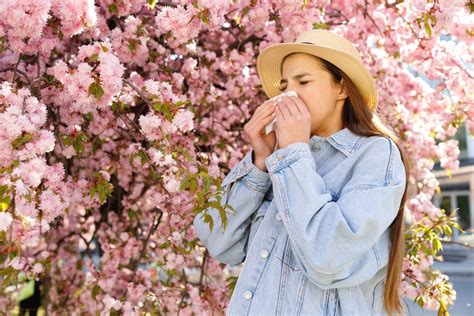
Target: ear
{"x": 342, "y": 91}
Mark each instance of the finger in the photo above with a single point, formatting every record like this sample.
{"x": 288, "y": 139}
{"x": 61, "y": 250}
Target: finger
{"x": 300, "y": 104}
{"x": 265, "y": 121}
{"x": 267, "y": 104}
{"x": 294, "y": 107}
{"x": 284, "y": 109}
{"x": 279, "y": 115}
{"x": 259, "y": 120}
{"x": 264, "y": 112}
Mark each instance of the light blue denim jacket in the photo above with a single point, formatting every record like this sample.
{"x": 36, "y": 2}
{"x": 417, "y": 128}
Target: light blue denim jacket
{"x": 313, "y": 231}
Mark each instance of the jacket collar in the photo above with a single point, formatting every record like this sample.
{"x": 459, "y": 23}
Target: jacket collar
{"x": 343, "y": 140}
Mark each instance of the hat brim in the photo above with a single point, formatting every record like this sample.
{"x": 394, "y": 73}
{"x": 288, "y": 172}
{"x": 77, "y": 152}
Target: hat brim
{"x": 270, "y": 59}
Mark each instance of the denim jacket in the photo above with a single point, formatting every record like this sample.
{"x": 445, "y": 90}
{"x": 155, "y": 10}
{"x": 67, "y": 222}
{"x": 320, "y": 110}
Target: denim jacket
{"x": 313, "y": 231}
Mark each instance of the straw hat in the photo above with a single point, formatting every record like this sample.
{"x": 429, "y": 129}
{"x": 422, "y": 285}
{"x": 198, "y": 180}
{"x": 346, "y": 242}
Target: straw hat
{"x": 326, "y": 45}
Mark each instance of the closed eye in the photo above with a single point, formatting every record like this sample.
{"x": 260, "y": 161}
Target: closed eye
{"x": 301, "y": 83}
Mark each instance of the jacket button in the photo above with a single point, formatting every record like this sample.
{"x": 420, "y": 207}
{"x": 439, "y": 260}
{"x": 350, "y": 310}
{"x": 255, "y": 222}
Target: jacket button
{"x": 247, "y": 295}
{"x": 278, "y": 217}
{"x": 316, "y": 147}
{"x": 264, "y": 253}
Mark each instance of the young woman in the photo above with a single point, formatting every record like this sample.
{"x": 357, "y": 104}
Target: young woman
{"x": 319, "y": 201}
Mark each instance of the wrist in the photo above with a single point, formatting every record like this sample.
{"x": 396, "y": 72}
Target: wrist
{"x": 259, "y": 162}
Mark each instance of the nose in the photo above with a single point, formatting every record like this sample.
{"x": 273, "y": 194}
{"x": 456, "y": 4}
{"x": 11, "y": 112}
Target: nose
{"x": 290, "y": 87}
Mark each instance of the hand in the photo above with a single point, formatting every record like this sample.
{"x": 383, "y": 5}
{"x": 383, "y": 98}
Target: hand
{"x": 293, "y": 121}
{"x": 262, "y": 144}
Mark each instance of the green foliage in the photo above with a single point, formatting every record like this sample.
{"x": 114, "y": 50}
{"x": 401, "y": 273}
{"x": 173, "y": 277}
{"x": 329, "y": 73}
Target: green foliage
{"x": 132, "y": 44}
{"x": 101, "y": 187}
{"x": 165, "y": 108}
{"x": 113, "y": 9}
{"x": 95, "y": 291}
{"x": 96, "y": 90}
{"x": 89, "y": 117}
{"x": 10, "y": 276}
{"x": 428, "y": 20}
{"x": 22, "y": 140}
{"x": 151, "y": 4}
{"x": 427, "y": 237}
{"x": 231, "y": 282}
{"x": 320, "y": 26}
{"x": 423, "y": 238}
{"x": 5, "y": 198}
{"x": 93, "y": 58}
{"x": 118, "y": 106}
{"x": 76, "y": 140}
{"x": 204, "y": 198}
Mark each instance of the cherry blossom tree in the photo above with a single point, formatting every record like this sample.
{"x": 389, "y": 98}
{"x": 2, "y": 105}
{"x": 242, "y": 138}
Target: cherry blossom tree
{"x": 119, "y": 119}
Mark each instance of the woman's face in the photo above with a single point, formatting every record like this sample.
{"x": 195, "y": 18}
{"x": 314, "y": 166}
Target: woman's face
{"x": 324, "y": 98}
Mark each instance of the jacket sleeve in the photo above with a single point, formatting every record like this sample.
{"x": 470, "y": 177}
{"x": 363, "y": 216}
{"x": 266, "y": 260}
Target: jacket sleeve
{"x": 334, "y": 239}
{"x": 244, "y": 189}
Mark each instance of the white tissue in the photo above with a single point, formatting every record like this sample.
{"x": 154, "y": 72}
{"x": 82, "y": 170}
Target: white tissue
{"x": 270, "y": 126}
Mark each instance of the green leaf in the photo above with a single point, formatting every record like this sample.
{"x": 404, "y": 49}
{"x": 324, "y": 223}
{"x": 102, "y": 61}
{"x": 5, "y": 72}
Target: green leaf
{"x": 151, "y": 4}
{"x": 6, "y": 271}
{"x": 143, "y": 156}
{"x": 420, "y": 301}
{"x": 96, "y": 144}
{"x": 21, "y": 140}
{"x": 164, "y": 245}
{"x": 88, "y": 117}
{"x": 223, "y": 214}
{"x": 448, "y": 230}
{"x": 320, "y": 26}
{"x": 132, "y": 45}
{"x": 203, "y": 16}
{"x": 200, "y": 197}
{"x": 27, "y": 291}
{"x": 113, "y": 9}
{"x": 132, "y": 214}
{"x": 5, "y": 203}
{"x": 231, "y": 282}
{"x": 208, "y": 219}
{"x": 95, "y": 291}
{"x": 437, "y": 245}
{"x": 427, "y": 25}
{"x": 93, "y": 58}
{"x": 78, "y": 144}
{"x": 96, "y": 90}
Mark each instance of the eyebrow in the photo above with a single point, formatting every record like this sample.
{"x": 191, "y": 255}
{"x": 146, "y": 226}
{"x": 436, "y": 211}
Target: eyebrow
{"x": 296, "y": 77}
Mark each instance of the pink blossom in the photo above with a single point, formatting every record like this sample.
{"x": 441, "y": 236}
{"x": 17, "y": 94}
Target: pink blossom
{"x": 150, "y": 124}
{"x": 171, "y": 184}
{"x": 18, "y": 263}
{"x": 183, "y": 120}
{"x": 5, "y": 221}
{"x": 51, "y": 204}
{"x": 111, "y": 303}
{"x": 37, "y": 268}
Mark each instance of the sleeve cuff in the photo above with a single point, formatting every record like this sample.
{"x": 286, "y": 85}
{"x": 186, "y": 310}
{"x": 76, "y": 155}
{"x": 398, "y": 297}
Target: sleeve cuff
{"x": 283, "y": 157}
{"x": 257, "y": 178}
{"x": 250, "y": 175}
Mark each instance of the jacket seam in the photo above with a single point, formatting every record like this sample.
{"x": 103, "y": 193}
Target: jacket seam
{"x": 373, "y": 294}
{"x": 388, "y": 173}
{"x": 376, "y": 254}
{"x": 252, "y": 186}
